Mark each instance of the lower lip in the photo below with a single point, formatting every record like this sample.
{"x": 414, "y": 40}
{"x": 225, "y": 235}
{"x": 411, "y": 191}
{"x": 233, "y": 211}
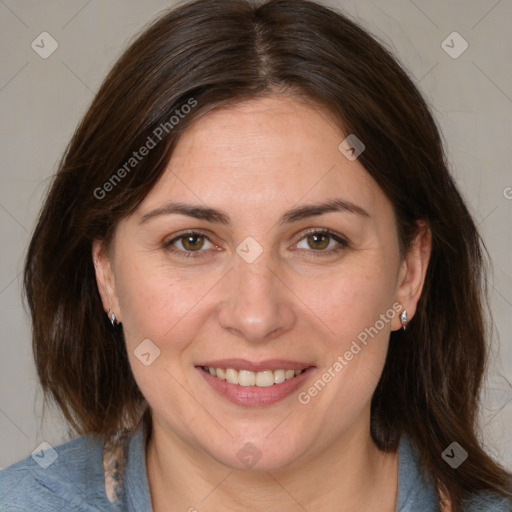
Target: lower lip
{"x": 253, "y": 396}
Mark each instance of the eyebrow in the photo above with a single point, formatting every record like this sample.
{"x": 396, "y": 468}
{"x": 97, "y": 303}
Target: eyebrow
{"x": 221, "y": 217}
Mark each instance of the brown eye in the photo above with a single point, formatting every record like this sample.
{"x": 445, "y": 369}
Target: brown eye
{"x": 189, "y": 245}
{"x": 322, "y": 242}
{"x": 318, "y": 241}
{"x": 192, "y": 242}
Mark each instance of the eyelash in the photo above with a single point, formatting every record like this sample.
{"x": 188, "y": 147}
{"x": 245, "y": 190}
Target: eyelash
{"x": 343, "y": 244}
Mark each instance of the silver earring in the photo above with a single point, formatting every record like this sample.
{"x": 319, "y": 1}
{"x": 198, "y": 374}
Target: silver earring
{"x": 112, "y": 318}
{"x": 403, "y": 318}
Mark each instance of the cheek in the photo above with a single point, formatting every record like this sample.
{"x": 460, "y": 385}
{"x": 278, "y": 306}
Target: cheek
{"x": 353, "y": 298}
{"x": 154, "y": 298}
{"x": 357, "y": 307}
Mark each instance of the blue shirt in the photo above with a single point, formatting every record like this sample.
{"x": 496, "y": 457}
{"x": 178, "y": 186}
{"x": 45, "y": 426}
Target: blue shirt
{"x": 70, "y": 478}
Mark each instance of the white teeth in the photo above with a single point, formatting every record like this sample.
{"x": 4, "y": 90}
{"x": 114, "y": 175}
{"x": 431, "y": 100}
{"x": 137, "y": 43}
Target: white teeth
{"x": 279, "y": 376}
{"x": 232, "y": 376}
{"x": 265, "y": 378}
{"x": 261, "y": 379}
{"x": 246, "y": 378}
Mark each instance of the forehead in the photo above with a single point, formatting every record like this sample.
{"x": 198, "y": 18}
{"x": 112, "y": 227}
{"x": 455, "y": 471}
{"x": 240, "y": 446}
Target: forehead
{"x": 273, "y": 150}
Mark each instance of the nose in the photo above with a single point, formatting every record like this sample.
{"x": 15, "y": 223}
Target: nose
{"x": 258, "y": 304}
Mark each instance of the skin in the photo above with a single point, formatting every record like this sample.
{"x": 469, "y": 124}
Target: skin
{"x": 254, "y": 161}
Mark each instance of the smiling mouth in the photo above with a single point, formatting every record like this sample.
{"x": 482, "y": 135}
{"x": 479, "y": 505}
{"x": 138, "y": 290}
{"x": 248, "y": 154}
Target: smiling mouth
{"x": 262, "y": 379}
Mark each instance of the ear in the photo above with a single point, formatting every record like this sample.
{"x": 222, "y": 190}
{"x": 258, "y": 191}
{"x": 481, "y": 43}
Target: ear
{"x": 105, "y": 278}
{"x": 412, "y": 273}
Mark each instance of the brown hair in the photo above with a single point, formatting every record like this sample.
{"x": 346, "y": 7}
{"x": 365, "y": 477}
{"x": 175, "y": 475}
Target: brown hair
{"x": 207, "y": 54}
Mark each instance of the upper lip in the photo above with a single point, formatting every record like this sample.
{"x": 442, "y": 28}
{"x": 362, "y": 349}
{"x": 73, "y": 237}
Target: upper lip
{"x": 268, "y": 364}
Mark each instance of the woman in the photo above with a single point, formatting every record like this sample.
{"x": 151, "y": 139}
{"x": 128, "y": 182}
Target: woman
{"x": 254, "y": 284}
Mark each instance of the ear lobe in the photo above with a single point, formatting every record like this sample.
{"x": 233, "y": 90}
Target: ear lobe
{"x": 104, "y": 276}
{"x": 413, "y": 271}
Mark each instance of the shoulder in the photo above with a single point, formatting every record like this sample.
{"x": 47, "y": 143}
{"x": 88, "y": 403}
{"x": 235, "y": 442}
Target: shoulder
{"x": 417, "y": 490}
{"x": 487, "y": 502}
{"x": 66, "y": 477}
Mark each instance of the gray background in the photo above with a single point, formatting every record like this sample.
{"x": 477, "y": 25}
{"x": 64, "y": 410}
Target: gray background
{"x": 41, "y": 101}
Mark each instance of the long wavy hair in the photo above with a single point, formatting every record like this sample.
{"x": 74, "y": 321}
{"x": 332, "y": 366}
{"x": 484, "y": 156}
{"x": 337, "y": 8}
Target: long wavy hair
{"x": 220, "y": 52}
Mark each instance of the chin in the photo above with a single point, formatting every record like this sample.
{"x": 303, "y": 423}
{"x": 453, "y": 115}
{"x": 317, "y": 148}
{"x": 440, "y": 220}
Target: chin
{"x": 257, "y": 453}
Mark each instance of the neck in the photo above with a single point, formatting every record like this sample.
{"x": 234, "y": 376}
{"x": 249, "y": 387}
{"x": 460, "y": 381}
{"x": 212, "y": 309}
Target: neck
{"x": 351, "y": 474}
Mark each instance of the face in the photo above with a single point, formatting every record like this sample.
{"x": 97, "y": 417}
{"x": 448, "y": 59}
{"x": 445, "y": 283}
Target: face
{"x": 252, "y": 278}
